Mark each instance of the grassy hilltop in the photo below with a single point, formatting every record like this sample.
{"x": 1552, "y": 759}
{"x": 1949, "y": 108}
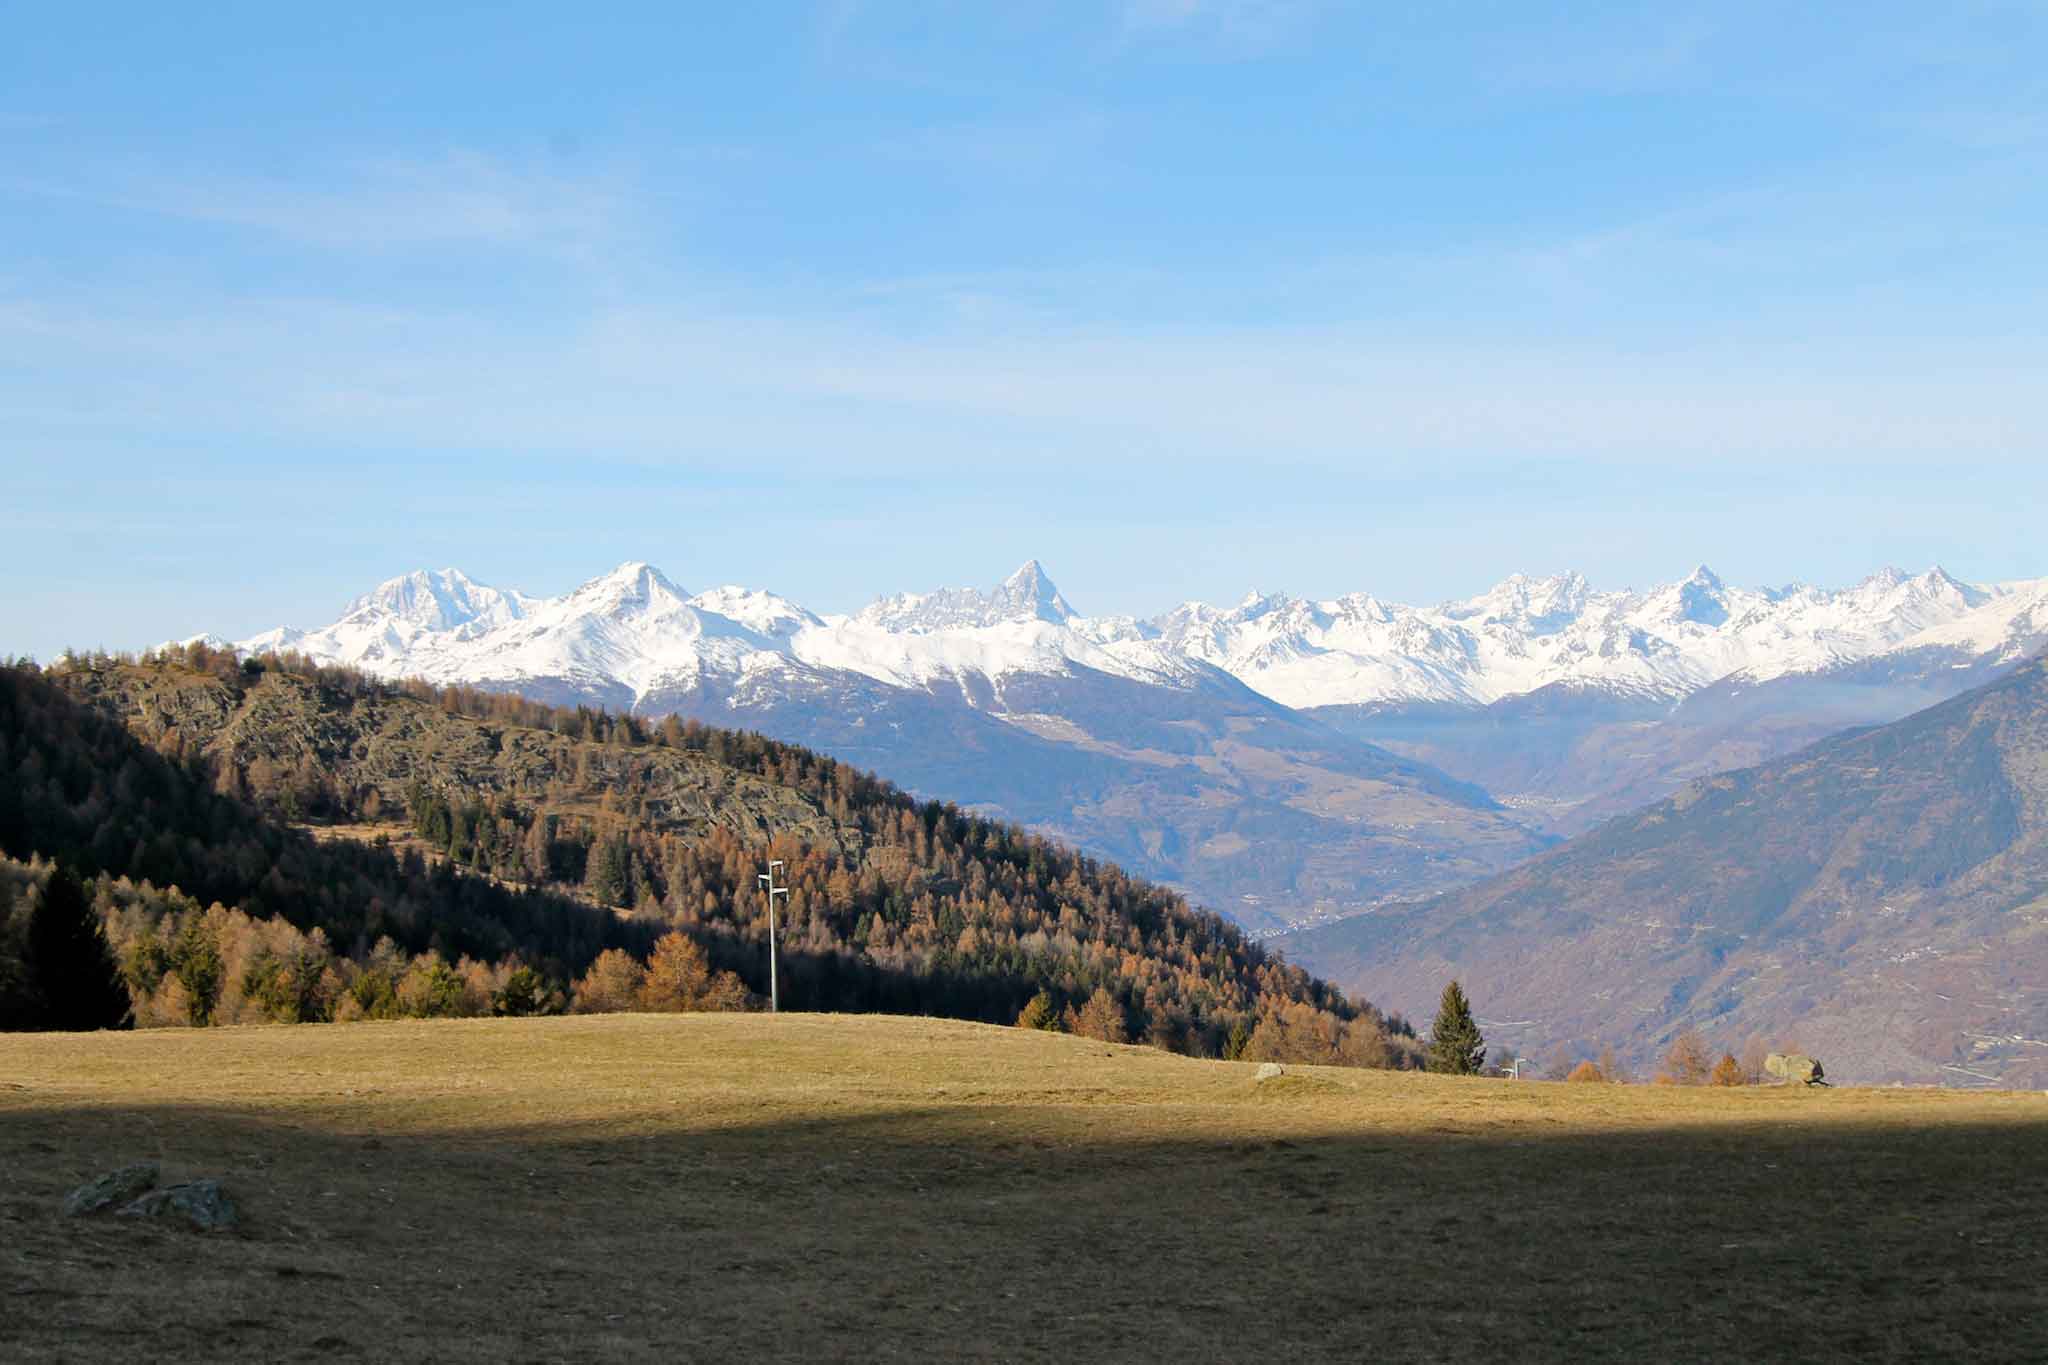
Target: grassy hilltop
{"x": 806, "y": 1187}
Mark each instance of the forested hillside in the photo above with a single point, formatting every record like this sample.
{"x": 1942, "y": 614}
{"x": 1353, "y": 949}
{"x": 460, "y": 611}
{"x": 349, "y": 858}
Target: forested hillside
{"x": 554, "y": 834}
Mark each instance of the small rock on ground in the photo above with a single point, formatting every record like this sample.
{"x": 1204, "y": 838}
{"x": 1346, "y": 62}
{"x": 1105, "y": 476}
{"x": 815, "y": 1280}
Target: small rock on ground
{"x": 201, "y": 1203}
{"x": 1270, "y": 1071}
{"x": 115, "y": 1187}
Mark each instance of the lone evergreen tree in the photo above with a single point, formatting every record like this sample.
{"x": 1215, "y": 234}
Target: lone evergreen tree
{"x": 72, "y": 970}
{"x": 1455, "y": 1045}
{"x": 610, "y": 880}
{"x": 525, "y": 993}
{"x": 1240, "y": 1038}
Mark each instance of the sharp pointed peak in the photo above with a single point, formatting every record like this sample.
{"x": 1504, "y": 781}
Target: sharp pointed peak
{"x": 1030, "y": 591}
{"x": 1938, "y": 575}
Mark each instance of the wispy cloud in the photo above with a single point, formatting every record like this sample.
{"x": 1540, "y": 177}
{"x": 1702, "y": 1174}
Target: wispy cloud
{"x": 455, "y": 198}
{"x": 668, "y": 384}
{"x": 1242, "y": 27}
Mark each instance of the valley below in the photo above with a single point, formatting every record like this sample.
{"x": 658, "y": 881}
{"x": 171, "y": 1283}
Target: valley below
{"x": 1876, "y": 899}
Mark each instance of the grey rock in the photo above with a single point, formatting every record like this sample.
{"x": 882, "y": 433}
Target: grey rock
{"x": 1270, "y": 1071}
{"x": 115, "y": 1187}
{"x": 201, "y": 1203}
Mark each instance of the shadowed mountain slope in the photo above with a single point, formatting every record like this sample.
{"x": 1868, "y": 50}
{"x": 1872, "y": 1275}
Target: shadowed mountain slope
{"x": 1881, "y": 898}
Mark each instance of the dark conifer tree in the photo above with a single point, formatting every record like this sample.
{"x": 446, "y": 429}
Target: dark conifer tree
{"x": 525, "y": 993}
{"x": 609, "y": 881}
{"x": 17, "y": 1007}
{"x": 77, "y": 982}
{"x": 1456, "y": 1047}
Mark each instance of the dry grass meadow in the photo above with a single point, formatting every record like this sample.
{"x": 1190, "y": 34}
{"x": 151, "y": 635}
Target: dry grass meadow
{"x": 721, "y": 1187}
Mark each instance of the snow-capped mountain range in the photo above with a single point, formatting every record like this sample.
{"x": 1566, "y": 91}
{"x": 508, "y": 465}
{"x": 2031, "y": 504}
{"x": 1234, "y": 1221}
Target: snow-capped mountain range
{"x": 1281, "y": 759}
{"x": 632, "y": 635}
{"x": 1527, "y": 634}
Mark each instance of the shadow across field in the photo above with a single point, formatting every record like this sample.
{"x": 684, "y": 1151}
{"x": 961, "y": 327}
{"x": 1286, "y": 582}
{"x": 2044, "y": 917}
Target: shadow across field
{"x": 1076, "y": 1227}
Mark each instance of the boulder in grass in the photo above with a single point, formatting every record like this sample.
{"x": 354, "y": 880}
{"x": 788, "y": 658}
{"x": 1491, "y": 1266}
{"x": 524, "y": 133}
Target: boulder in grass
{"x": 202, "y": 1204}
{"x": 115, "y": 1187}
{"x": 1270, "y": 1071}
{"x": 1795, "y": 1067}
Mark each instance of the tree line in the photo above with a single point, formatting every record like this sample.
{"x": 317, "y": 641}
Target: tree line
{"x": 912, "y": 907}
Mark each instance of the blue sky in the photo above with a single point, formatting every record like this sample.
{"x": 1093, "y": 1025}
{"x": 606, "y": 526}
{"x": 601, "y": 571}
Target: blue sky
{"x": 1181, "y": 296}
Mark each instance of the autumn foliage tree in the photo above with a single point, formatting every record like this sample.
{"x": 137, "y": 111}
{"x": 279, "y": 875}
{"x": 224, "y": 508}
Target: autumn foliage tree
{"x": 1101, "y": 1019}
{"x": 1040, "y": 1013}
{"x": 612, "y": 985}
{"x": 1688, "y": 1062}
{"x": 679, "y": 978}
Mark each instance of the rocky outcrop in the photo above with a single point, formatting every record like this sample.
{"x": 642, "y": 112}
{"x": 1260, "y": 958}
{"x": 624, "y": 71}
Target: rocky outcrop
{"x": 203, "y": 1205}
{"x": 115, "y": 1187}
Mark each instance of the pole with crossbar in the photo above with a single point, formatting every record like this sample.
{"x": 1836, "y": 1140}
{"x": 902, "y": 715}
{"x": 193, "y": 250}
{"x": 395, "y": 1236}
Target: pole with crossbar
{"x": 767, "y": 880}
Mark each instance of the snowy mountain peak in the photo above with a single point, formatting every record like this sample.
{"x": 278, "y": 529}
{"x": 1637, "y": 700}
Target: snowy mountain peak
{"x": 1028, "y": 595}
{"x": 634, "y": 586}
{"x": 1521, "y": 602}
{"x": 1938, "y": 581}
{"x": 764, "y": 613}
{"x": 1702, "y": 598}
{"x": 443, "y": 599}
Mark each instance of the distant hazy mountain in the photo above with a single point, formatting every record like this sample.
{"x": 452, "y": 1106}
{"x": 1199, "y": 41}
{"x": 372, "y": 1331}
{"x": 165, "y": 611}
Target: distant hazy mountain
{"x": 1880, "y": 898}
{"x": 1276, "y": 759}
{"x": 1571, "y": 705}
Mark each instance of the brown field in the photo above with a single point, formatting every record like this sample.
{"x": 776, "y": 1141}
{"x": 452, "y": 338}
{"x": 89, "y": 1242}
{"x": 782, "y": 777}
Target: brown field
{"x": 721, "y": 1187}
